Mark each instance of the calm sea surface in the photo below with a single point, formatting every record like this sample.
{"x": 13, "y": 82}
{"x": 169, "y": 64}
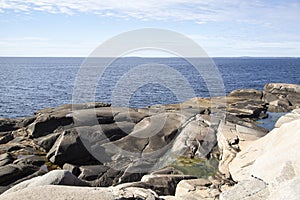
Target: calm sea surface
{"x": 29, "y": 84}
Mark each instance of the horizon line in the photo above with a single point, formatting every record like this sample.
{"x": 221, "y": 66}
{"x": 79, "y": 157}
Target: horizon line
{"x": 150, "y": 57}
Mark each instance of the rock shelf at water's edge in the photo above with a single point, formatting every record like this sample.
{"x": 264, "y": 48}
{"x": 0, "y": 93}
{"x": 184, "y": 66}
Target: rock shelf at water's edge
{"x": 192, "y": 150}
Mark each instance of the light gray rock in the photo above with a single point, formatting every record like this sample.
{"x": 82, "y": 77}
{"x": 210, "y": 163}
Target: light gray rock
{"x": 288, "y": 190}
{"x": 196, "y": 139}
{"x": 246, "y": 94}
{"x": 48, "y": 192}
{"x": 232, "y": 139}
{"x": 295, "y": 114}
{"x": 270, "y": 158}
{"x": 196, "y": 189}
{"x": 252, "y": 189}
{"x": 55, "y": 177}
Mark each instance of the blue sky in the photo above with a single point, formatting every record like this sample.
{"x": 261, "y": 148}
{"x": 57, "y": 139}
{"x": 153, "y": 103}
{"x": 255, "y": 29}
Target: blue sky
{"x": 222, "y": 28}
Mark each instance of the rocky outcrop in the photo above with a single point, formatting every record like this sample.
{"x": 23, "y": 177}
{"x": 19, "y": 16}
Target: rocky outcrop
{"x": 267, "y": 164}
{"x": 232, "y": 139}
{"x": 282, "y": 97}
{"x": 199, "y": 149}
{"x": 246, "y": 103}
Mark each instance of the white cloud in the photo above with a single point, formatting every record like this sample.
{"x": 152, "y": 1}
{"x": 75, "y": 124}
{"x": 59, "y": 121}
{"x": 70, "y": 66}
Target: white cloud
{"x": 200, "y": 11}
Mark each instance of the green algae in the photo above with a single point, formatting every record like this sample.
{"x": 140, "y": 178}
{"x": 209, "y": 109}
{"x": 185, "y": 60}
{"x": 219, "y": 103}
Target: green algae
{"x": 201, "y": 168}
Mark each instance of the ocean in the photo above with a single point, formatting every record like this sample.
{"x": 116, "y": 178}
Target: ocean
{"x": 30, "y": 84}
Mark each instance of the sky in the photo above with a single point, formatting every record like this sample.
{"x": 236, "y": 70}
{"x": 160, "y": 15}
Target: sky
{"x": 223, "y": 28}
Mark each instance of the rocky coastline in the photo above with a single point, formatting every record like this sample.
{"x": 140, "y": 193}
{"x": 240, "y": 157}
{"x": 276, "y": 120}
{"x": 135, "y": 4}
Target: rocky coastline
{"x": 193, "y": 150}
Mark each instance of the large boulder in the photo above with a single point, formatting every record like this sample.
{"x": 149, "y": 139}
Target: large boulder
{"x": 55, "y": 177}
{"x": 268, "y": 166}
{"x": 196, "y": 139}
{"x": 69, "y": 148}
{"x": 48, "y": 123}
{"x": 258, "y": 158}
{"x": 78, "y": 193}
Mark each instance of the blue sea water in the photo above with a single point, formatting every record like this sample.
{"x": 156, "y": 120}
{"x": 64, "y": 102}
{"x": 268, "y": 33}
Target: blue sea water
{"x": 30, "y": 84}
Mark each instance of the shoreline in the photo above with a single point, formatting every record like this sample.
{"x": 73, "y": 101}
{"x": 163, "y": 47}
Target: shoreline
{"x": 60, "y": 146}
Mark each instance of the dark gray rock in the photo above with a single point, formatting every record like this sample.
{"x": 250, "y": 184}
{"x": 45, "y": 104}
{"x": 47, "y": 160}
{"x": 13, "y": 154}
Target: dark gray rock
{"x": 72, "y": 168}
{"x": 69, "y": 148}
{"x": 5, "y": 159}
{"x": 30, "y": 159}
{"x": 45, "y": 124}
{"x": 11, "y": 173}
{"x": 5, "y": 137}
{"x": 107, "y": 179}
{"x": 8, "y": 124}
{"x": 26, "y": 121}
{"x": 92, "y": 172}
{"x": 46, "y": 142}
{"x": 165, "y": 184}
{"x": 3, "y": 189}
{"x": 167, "y": 170}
